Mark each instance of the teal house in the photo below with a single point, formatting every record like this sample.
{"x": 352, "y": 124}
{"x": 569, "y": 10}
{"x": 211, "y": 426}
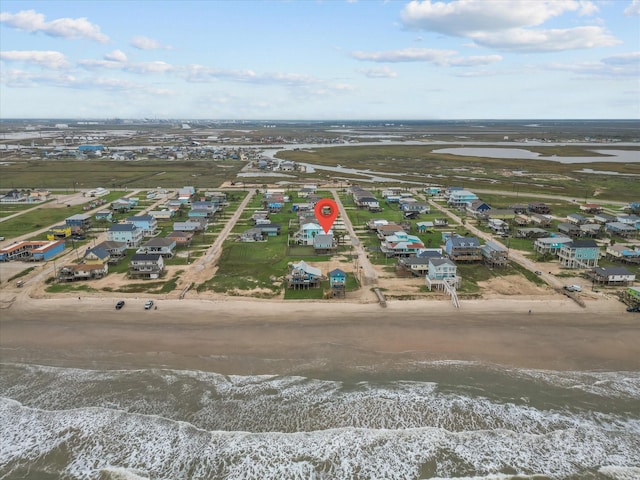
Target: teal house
{"x": 337, "y": 278}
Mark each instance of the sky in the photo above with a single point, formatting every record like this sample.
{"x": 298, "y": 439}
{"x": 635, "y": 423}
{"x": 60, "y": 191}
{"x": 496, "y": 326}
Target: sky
{"x": 320, "y": 60}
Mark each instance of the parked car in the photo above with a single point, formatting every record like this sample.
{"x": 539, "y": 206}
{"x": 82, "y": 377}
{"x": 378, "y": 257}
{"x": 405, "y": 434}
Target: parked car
{"x": 148, "y": 305}
{"x": 633, "y": 309}
{"x": 538, "y": 272}
{"x": 573, "y": 288}
{"x": 120, "y": 304}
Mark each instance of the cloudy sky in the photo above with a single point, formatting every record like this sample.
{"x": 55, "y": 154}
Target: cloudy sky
{"x": 330, "y": 59}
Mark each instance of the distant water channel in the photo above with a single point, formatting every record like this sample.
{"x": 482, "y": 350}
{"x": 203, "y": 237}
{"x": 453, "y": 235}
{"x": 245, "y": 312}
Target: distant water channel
{"x": 617, "y": 156}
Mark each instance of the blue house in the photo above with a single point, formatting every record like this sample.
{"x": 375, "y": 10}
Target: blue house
{"x": 106, "y": 215}
{"x": 579, "y": 254}
{"x": 147, "y": 224}
{"x": 79, "y": 221}
{"x": 337, "y": 278}
{"x": 125, "y": 233}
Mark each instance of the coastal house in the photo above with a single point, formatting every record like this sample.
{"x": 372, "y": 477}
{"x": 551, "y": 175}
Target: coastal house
{"x": 612, "y": 276}
{"x": 591, "y": 208}
{"x": 494, "y": 254}
{"x": 463, "y": 249}
{"x": 182, "y": 239}
{"x": 620, "y": 229}
{"x": 568, "y": 229}
{"x": 461, "y": 198}
{"x": 145, "y": 223}
{"x": 191, "y": 225}
{"x": 303, "y": 275}
{"x": 145, "y": 265}
{"x": 590, "y": 229}
{"x": 162, "y": 246}
{"x": 338, "y": 282}
{"x": 539, "y": 207}
{"x": 270, "y": 229}
{"x": 162, "y": 215}
{"x": 97, "y": 255}
{"x": 59, "y": 232}
{"x": 418, "y": 207}
{"x": 498, "y": 226}
{"x": 252, "y": 235}
{"x": 122, "y": 205}
{"x": 576, "y": 219}
{"x": 79, "y": 221}
{"x": 441, "y": 271}
{"x": 477, "y": 208}
{"x": 424, "y": 227}
{"x": 531, "y": 233}
{"x": 631, "y": 220}
{"x": 104, "y": 216}
{"x": 324, "y": 244}
{"x": 116, "y": 250}
{"x": 541, "y": 220}
{"x": 401, "y": 244}
{"x": 308, "y": 231}
{"x": 126, "y": 233}
{"x": 82, "y": 271}
{"x": 603, "y": 218}
{"x": 550, "y": 244}
{"x": 579, "y": 254}
{"x": 623, "y": 253}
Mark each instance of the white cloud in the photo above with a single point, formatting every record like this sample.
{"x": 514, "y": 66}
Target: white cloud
{"x": 24, "y": 79}
{"x": 145, "y": 43}
{"x": 633, "y": 9}
{"x": 48, "y": 59}
{"x": 523, "y": 40}
{"x": 463, "y": 17}
{"x": 437, "y": 57}
{"x": 116, "y": 56}
{"x": 505, "y": 25}
{"x": 73, "y": 28}
{"x": 474, "y": 61}
{"x": 149, "y": 67}
{"x": 383, "y": 72}
{"x": 623, "y": 65}
{"x": 405, "y": 55}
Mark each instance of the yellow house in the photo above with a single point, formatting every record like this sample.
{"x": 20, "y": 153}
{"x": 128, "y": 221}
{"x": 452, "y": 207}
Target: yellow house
{"x": 59, "y": 232}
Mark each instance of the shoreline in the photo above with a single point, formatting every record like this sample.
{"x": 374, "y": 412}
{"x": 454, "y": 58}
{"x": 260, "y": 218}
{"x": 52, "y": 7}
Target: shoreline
{"x": 240, "y": 336}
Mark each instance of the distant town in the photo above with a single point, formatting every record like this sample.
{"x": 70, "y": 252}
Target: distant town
{"x": 254, "y": 232}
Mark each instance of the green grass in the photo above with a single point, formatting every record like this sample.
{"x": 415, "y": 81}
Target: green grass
{"x": 70, "y": 287}
{"x": 21, "y": 274}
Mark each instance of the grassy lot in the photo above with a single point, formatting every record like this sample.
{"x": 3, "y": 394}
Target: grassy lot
{"x": 113, "y": 174}
{"x": 44, "y": 217}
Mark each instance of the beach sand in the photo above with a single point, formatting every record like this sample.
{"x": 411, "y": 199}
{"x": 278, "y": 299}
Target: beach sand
{"x": 242, "y": 336}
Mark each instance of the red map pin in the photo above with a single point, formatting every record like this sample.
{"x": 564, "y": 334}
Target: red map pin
{"x": 326, "y": 211}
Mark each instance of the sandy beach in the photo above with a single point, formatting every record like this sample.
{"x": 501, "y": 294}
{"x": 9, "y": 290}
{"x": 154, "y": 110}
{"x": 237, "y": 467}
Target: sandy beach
{"x": 240, "y": 336}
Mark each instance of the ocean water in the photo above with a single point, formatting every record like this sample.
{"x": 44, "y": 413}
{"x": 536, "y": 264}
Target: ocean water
{"x": 424, "y": 421}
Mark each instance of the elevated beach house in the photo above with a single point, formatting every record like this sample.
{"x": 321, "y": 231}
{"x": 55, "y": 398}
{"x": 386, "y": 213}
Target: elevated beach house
{"x": 463, "y": 249}
{"x": 579, "y": 254}
{"x": 144, "y": 265}
{"x": 126, "y": 233}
